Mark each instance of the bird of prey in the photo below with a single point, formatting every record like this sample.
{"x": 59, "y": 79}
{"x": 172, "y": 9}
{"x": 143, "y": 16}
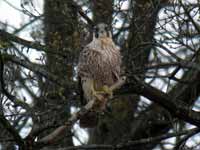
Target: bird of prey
{"x": 99, "y": 66}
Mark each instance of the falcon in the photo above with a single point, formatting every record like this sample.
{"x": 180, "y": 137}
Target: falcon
{"x": 99, "y": 66}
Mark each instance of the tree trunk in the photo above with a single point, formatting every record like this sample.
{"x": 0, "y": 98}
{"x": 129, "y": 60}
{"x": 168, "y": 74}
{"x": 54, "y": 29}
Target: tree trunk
{"x": 60, "y": 29}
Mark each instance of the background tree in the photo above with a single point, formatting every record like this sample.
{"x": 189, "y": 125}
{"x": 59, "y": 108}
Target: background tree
{"x": 39, "y": 92}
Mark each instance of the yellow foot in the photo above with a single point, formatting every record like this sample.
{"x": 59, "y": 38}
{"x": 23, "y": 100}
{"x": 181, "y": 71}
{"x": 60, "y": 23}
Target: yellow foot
{"x": 98, "y": 94}
{"x": 102, "y": 96}
{"x": 108, "y": 91}
{"x": 104, "y": 91}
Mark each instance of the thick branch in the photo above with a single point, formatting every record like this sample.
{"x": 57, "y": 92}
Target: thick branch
{"x": 177, "y": 108}
{"x": 11, "y": 130}
{"x": 52, "y": 137}
{"x": 129, "y": 144}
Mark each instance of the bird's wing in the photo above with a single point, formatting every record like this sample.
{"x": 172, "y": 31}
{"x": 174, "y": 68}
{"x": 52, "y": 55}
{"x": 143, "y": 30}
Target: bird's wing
{"x": 115, "y": 64}
{"x": 88, "y": 65}
{"x": 87, "y": 71}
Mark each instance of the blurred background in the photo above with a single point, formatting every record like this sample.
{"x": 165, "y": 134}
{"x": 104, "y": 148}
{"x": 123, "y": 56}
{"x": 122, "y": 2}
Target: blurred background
{"x": 40, "y": 41}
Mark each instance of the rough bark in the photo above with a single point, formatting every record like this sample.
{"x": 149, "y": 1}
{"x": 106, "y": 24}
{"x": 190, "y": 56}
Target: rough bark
{"x": 102, "y": 11}
{"x": 60, "y": 29}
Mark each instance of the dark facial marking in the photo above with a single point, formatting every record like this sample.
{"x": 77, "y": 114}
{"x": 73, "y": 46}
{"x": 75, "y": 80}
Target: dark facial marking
{"x": 96, "y": 31}
{"x": 96, "y": 35}
{"x": 107, "y": 30}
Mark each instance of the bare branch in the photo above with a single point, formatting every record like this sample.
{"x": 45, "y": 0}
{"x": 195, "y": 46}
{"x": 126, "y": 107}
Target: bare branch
{"x": 51, "y": 138}
{"x": 10, "y": 37}
{"x": 122, "y": 146}
{"x": 177, "y": 108}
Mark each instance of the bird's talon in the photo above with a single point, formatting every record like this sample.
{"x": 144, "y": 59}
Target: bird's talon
{"x": 108, "y": 91}
{"x": 97, "y": 95}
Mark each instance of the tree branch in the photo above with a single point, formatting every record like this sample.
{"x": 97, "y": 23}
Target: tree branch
{"x": 31, "y": 66}
{"x": 53, "y": 136}
{"x": 122, "y": 146}
{"x": 81, "y": 12}
{"x": 3, "y": 120}
{"x": 177, "y": 108}
{"x": 35, "y": 45}
{"x": 11, "y": 130}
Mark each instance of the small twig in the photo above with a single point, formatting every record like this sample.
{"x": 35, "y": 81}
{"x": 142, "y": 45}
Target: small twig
{"x": 31, "y": 66}
{"x": 80, "y": 11}
{"x": 35, "y": 45}
{"x": 51, "y": 138}
{"x": 184, "y": 139}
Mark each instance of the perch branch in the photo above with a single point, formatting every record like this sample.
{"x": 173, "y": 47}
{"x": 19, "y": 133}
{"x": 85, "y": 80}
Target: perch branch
{"x": 53, "y": 136}
{"x": 129, "y": 144}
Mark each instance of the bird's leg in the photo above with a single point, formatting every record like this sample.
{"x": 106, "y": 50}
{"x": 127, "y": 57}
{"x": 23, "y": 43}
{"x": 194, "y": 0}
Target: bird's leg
{"x": 108, "y": 91}
{"x": 105, "y": 90}
{"x": 100, "y": 95}
{"x": 95, "y": 93}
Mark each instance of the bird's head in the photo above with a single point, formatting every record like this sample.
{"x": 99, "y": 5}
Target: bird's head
{"x": 102, "y": 30}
